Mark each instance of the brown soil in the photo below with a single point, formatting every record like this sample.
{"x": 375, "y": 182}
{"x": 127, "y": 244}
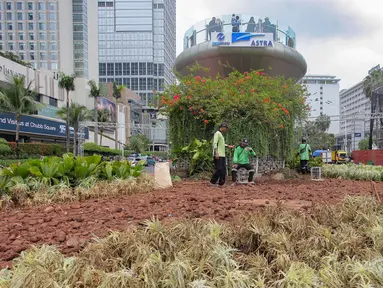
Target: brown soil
{"x": 71, "y": 226}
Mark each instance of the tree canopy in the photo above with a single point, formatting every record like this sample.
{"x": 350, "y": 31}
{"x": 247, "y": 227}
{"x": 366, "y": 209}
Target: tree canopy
{"x": 261, "y": 108}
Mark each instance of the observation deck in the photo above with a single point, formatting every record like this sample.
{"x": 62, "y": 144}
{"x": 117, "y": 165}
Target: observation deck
{"x": 244, "y": 42}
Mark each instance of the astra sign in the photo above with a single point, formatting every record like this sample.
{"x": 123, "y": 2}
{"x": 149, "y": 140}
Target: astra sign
{"x": 241, "y": 39}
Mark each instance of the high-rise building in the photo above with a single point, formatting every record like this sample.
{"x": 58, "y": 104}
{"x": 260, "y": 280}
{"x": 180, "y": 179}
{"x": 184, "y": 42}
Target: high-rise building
{"x": 323, "y": 97}
{"x": 51, "y": 34}
{"x": 353, "y": 101}
{"x": 137, "y": 44}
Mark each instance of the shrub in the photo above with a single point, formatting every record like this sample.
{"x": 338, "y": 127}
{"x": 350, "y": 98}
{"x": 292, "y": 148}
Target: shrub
{"x": 42, "y": 149}
{"x": 93, "y": 148}
{"x": 261, "y": 108}
{"x": 5, "y": 149}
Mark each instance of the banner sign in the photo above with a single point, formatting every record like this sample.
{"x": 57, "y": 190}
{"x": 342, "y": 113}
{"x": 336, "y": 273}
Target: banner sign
{"x": 103, "y": 103}
{"x": 36, "y": 125}
{"x": 242, "y": 39}
{"x": 358, "y": 135}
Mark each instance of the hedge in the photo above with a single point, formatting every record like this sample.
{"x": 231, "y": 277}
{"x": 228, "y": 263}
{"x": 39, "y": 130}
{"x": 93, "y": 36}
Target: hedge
{"x": 92, "y": 148}
{"x": 41, "y": 149}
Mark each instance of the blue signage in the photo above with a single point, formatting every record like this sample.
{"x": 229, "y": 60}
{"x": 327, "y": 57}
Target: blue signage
{"x": 358, "y": 135}
{"x": 36, "y": 126}
{"x": 244, "y": 36}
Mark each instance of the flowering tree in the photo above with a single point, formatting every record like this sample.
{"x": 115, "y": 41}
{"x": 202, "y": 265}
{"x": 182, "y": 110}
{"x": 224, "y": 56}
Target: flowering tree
{"x": 256, "y": 106}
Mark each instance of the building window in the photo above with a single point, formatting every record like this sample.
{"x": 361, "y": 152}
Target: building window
{"x": 102, "y": 68}
{"x": 110, "y": 69}
{"x": 143, "y": 84}
{"x": 10, "y": 26}
{"x": 52, "y": 26}
{"x": 31, "y": 36}
{"x": 1, "y": 46}
{"x": 126, "y": 82}
{"x": 101, "y": 4}
{"x": 41, "y": 6}
{"x": 51, "y": 6}
{"x": 21, "y": 36}
{"x": 109, "y": 4}
{"x": 9, "y": 16}
{"x": 42, "y": 16}
{"x": 32, "y": 55}
{"x": 10, "y": 46}
{"x": 155, "y": 70}
{"x": 20, "y": 26}
{"x": 118, "y": 69}
{"x": 9, "y": 6}
{"x": 31, "y": 26}
{"x": 52, "y": 16}
{"x": 1, "y": 36}
{"x": 30, "y": 6}
{"x": 38, "y": 97}
{"x": 43, "y": 45}
{"x": 134, "y": 84}
{"x": 43, "y": 36}
{"x": 150, "y": 68}
{"x": 52, "y": 102}
{"x": 118, "y": 81}
{"x": 161, "y": 70}
{"x": 32, "y": 46}
{"x": 42, "y": 26}
{"x": 10, "y": 36}
{"x": 134, "y": 67}
{"x": 20, "y": 16}
{"x": 20, "y": 6}
{"x": 126, "y": 68}
{"x": 142, "y": 68}
{"x": 150, "y": 83}
{"x": 30, "y": 16}
{"x": 54, "y": 66}
{"x": 21, "y": 46}
{"x": 21, "y": 56}
{"x": 155, "y": 84}
{"x": 53, "y": 36}
{"x": 43, "y": 65}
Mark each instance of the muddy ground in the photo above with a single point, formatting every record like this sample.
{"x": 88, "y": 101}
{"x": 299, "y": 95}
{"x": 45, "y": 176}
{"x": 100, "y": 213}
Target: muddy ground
{"x": 71, "y": 226}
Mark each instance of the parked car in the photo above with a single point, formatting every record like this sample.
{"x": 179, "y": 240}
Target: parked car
{"x": 150, "y": 162}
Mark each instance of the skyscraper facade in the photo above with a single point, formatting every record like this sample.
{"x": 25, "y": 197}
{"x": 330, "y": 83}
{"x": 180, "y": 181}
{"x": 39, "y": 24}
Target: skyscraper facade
{"x": 51, "y": 34}
{"x": 137, "y": 44}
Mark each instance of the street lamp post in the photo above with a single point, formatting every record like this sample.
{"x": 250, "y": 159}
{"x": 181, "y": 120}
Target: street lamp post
{"x": 123, "y": 133}
{"x": 345, "y": 129}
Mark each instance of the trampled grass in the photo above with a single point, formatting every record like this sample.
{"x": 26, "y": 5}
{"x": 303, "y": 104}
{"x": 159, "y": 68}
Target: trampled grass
{"x": 331, "y": 246}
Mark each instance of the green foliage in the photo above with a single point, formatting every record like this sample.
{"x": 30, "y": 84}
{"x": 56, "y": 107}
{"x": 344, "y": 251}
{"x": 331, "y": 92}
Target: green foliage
{"x": 40, "y": 149}
{"x": 332, "y": 246}
{"x": 92, "y": 148}
{"x": 256, "y": 106}
{"x": 69, "y": 170}
{"x": 354, "y": 172}
{"x": 138, "y": 143}
{"x": 4, "y": 147}
{"x": 13, "y": 57}
{"x": 315, "y": 133}
{"x": 198, "y": 154}
{"x": 363, "y": 144}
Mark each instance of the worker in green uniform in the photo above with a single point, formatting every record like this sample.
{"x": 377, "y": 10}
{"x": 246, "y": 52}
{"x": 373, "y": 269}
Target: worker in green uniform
{"x": 241, "y": 159}
{"x": 219, "y": 153}
{"x": 304, "y": 152}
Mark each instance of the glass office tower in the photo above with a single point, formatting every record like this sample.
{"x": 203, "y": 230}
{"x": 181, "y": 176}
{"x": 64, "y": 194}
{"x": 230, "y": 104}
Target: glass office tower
{"x": 137, "y": 44}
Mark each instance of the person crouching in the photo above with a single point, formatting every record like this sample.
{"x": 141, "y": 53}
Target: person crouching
{"x": 242, "y": 160}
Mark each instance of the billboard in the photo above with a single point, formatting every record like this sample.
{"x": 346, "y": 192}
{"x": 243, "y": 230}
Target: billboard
{"x": 242, "y": 39}
{"x": 103, "y": 103}
{"x": 36, "y": 126}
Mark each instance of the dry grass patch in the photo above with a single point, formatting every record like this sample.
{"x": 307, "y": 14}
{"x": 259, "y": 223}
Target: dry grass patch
{"x": 333, "y": 246}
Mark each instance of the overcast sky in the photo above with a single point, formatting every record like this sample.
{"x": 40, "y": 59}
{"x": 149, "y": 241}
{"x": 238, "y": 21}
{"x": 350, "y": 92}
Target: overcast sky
{"x": 343, "y": 38}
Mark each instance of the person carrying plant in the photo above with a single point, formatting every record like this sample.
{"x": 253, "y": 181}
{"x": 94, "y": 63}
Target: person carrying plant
{"x": 219, "y": 153}
{"x": 242, "y": 160}
{"x": 304, "y": 152}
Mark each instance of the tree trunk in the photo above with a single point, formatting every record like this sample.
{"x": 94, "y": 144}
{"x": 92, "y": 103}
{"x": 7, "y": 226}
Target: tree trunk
{"x": 372, "y": 121}
{"x": 67, "y": 123}
{"x": 116, "y": 135}
{"x": 74, "y": 142}
{"x": 102, "y": 131}
{"x": 95, "y": 120}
